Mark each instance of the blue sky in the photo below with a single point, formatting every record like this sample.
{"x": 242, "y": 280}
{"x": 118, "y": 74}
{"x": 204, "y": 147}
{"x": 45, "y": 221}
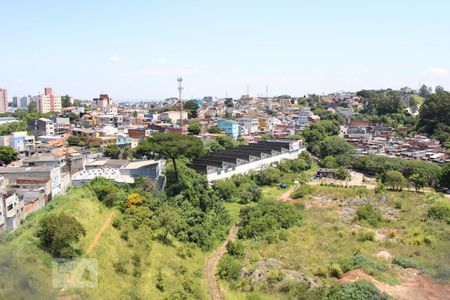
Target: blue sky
{"x": 136, "y": 49}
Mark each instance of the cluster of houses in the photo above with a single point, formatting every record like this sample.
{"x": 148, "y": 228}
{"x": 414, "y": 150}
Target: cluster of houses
{"x": 56, "y": 152}
{"x": 378, "y": 139}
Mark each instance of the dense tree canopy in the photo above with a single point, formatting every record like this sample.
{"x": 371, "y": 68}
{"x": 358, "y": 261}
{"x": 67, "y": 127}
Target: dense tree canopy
{"x": 170, "y": 146}
{"x": 434, "y": 116}
{"x": 7, "y": 155}
{"x": 58, "y": 233}
{"x": 112, "y": 151}
{"x": 192, "y": 108}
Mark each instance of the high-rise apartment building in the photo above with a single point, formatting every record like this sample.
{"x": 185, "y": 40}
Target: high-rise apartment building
{"x": 3, "y": 101}
{"x": 48, "y": 102}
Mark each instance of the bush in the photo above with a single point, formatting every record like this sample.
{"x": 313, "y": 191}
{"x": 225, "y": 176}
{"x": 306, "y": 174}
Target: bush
{"x": 235, "y": 248}
{"x": 358, "y": 290}
{"x": 302, "y": 192}
{"x": 335, "y": 270}
{"x": 224, "y": 189}
{"x": 268, "y": 216}
{"x": 369, "y": 214}
{"x": 342, "y": 174}
{"x": 366, "y": 236}
{"x": 405, "y": 262}
{"x": 229, "y": 268}
{"x": 160, "y": 282}
{"x": 58, "y": 233}
{"x": 440, "y": 211}
{"x": 267, "y": 176}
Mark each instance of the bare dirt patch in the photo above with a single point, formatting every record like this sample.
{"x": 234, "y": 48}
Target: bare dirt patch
{"x": 413, "y": 285}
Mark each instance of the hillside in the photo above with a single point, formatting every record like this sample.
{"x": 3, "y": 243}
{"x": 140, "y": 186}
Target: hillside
{"x": 331, "y": 244}
{"x": 127, "y": 269}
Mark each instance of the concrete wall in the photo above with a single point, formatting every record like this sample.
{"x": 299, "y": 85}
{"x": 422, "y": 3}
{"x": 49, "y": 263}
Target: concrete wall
{"x": 254, "y": 166}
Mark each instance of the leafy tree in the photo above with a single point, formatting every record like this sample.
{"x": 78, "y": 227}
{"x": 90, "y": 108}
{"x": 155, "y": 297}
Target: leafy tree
{"x": 378, "y": 164}
{"x": 213, "y": 146}
{"x": 65, "y": 101}
{"x": 229, "y": 102}
{"x": 424, "y": 91}
{"x": 6, "y": 129}
{"x": 328, "y": 162}
{"x": 224, "y": 189}
{"x": 434, "y": 111}
{"x": 267, "y": 176}
{"x": 418, "y": 180}
{"x": 445, "y": 176}
{"x": 226, "y": 142}
{"x": 32, "y": 107}
{"x": 170, "y": 221}
{"x": 335, "y": 145}
{"x": 267, "y": 216}
{"x": 194, "y": 128}
{"x": 438, "y": 89}
{"x": 170, "y": 146}
{"x": 134, "y": 199}
{"x": 126, "y": 152}
{"x": 342, "y": 174}
{"x": 394, "y": 179}
{"x": 214, "y": 129}
{"x": 58, "y": 233}
{"x": 358, "y": 290}
{"x": 74, "y": 141}
{"x": 7, "y": 155}
{"x": 112, "y": 151}
{"x": 192, "y": 107}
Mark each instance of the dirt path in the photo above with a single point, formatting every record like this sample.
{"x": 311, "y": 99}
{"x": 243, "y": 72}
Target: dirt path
{"x": 211, "y": 266}
{"x": 94, "y": 242}
{"x": 286, "y": 196}
{"x": 89, "y": 248}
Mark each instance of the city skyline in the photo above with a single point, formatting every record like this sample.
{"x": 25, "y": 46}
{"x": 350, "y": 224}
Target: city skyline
{"x": 294, "y": 47}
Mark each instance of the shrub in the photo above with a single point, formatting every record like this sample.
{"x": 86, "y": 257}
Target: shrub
{"x": 366, "y": 236}
{"x": 224, "y": 189}
{"x": 369, "y": 214}
{"x": 335, "y": 270}
{"x": 274, "y": 277}
{"x": 229, "y": 268}
{"x": 302, "y": 192}
{"x": 440, "y": 211}
{"x": 268, "y": 216}
{"x": 267, "y": 176}
{"x": 116, "y": 223}
{"x": 235, "y": 248}
{"x": 160, "y": 282}
{"x": 358, "y": 290}
{"x": 342, "y": 174}
{"x": 405, "y": 262}
{"x": 58, "y": 232}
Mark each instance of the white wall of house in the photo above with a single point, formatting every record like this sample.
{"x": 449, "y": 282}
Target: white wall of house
{"x": 254, "y": 166}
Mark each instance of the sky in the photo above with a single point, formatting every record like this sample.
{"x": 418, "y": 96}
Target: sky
{"x": 137, "y": 49}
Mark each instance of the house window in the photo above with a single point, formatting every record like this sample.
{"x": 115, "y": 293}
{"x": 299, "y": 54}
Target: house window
{"x": 10, "y": 207}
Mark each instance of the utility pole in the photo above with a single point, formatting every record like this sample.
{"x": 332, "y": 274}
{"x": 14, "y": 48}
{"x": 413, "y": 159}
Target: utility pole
{"x": 248, "y": 91}
{"x": 180, "y": 89}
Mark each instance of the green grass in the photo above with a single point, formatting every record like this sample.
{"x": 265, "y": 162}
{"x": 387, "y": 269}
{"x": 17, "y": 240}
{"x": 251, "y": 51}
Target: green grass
{"x": 418, "y": 98}
{"x": 324, "y": 239}
{"x": 25, "y": 269}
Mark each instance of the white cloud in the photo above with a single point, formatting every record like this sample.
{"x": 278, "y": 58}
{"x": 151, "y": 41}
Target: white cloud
{"x": 162, "y": 60}
{"x": 437, "y": 71}
{"x": 19, "y": 80}
{"x": 114, "y": 58}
